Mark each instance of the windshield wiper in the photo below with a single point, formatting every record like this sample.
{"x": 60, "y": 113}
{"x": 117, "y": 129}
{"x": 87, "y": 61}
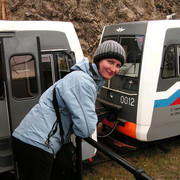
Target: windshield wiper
{"x": 127, "y": 70}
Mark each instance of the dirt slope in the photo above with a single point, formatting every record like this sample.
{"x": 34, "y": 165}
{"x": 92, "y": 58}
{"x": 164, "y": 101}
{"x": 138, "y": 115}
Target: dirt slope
{"x": 90, "y": 16}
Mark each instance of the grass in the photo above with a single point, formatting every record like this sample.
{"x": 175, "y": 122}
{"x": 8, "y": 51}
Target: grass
{"x": 161, "y": 161}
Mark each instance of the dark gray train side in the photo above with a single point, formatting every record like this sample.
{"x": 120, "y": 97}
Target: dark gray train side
{"x": 34, "y": 55}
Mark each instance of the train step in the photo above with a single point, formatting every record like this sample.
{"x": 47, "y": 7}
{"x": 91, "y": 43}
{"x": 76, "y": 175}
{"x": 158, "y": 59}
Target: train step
{"x": 6, "y": 161}
{"x": 6, "y": 156}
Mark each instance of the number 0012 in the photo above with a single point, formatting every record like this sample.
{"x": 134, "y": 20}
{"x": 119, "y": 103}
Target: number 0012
{"x": 127, "y": 100}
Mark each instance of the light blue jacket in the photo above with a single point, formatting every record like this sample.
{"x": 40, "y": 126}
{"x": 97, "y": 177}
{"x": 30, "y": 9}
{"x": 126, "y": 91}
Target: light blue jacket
{"x": 76, "y": 95}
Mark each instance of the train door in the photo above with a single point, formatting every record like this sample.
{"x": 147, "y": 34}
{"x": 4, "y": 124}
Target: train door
{"x": 6, "y": 160}
{"x": 5, "y": 131}
{"x": 21, "y": 65}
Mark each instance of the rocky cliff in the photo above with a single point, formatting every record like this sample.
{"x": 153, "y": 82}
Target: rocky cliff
{"x": 90, "y": 16}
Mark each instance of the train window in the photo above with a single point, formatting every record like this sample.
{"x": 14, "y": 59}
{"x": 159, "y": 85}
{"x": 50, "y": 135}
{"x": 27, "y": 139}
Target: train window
{"x": 47, "y": 76}
{"x": 114, "y": 38}
{"x": 24, "y": 82}
{"x": 178, "y": 58}
{"x": 133, "y": 46}
{"x": 2, "y": 93}
{"x": 1, "y": 89}
{"x": 64, "y": 64}
{"x": 169, "y": 66}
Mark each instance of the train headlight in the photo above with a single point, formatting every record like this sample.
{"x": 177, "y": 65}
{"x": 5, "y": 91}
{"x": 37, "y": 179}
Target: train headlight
{"x": 111, "y": 95}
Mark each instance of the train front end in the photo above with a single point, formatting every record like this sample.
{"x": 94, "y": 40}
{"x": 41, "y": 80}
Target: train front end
{"x": 117, "y": 100}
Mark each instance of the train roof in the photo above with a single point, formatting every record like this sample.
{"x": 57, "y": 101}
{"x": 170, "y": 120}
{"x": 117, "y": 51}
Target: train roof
{"x": 139, "y": 27}
{"x": 36, "y": 27}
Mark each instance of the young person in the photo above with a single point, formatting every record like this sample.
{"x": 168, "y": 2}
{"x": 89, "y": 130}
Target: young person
{"x": 76, "y": 95}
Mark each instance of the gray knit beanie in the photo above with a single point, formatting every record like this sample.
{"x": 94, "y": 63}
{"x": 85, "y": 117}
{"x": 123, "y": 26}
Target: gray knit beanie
{"x": 109, "y": 49}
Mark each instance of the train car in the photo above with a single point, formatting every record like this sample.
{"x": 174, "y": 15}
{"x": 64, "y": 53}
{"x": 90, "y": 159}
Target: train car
{"x": 34, "y": 55}
{"x": 144, "y": 97}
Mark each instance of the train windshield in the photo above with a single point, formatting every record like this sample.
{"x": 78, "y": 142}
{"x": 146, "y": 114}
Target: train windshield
{"x": 133, "y": 46}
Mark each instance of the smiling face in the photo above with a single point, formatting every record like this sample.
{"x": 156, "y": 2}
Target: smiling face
{"x": 109, "y": 67}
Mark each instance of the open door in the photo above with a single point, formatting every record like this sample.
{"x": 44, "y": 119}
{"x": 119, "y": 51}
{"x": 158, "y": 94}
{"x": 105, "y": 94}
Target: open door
{"x": 21, "y": 61}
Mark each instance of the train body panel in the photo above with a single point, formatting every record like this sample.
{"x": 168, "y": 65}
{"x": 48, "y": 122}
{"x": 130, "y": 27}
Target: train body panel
{"x": 150, "y": 67}
{"x": 147, "y": 86}
{"x": 45, "y": 26}
{"x": 34, "y": 55}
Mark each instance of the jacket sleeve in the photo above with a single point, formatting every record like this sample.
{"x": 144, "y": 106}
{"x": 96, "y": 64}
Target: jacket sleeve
{"x": 80, "y": 101}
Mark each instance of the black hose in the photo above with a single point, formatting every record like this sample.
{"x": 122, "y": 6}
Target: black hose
{"x": 115, "y": 125}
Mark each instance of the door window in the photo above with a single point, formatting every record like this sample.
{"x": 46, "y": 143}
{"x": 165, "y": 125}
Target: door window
{"x": 24, "y": 81}
{"x": 169, "y": 65}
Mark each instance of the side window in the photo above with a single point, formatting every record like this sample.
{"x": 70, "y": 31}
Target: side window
{"x": 1, "y": 89}
{"x": 170, "y": 59}
{"x": 54, "y": 66}
{"x": 23, "y": 76}
{"x": 64, "y": 64}
{"x": 1, "y": 85}
{"x": 47, "y": 76}
{"x": 178, "y": 58}
{"x": 2, "y": 93}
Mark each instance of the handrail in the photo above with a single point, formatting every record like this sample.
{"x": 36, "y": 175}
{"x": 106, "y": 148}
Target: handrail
{"x": 138, "y": 173}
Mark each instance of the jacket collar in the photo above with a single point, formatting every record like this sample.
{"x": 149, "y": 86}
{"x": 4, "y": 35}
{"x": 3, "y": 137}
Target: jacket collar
{"x": 90, "y": 69}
